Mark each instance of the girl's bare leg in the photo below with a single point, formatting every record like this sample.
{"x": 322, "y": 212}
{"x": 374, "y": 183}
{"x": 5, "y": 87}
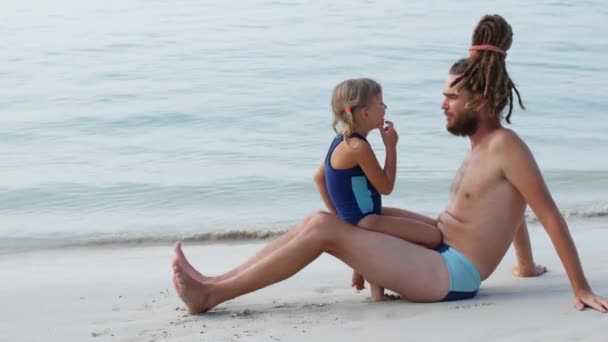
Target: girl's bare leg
{"x": 414, "y": 272}
{"x": 408, "y": 229}
{"x": 269, "y": 248}
{"x": 408, "y": 214}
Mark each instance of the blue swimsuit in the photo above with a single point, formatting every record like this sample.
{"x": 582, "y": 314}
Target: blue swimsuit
{"x": 351, "y": 193}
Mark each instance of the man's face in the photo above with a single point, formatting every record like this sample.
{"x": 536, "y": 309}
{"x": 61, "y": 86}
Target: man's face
{"x": 460, "y": 120}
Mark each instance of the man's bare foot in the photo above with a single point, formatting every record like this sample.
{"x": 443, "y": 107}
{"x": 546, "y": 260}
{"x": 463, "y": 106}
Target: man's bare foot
{"x": 185, "y": 264}
{"x": 357, "y": 281}
{"x": 531, "y": 271}
{"x": 193, "y": 293}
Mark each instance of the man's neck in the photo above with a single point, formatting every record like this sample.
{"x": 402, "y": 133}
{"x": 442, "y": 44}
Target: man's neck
{"x": 484, "y": 129}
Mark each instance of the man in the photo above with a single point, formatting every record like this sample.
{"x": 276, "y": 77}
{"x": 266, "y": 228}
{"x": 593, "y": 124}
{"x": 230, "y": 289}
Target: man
{"x": 484, "y": 215}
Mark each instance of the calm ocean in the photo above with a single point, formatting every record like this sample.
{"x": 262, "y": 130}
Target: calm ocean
{"x": 146, "y": 121}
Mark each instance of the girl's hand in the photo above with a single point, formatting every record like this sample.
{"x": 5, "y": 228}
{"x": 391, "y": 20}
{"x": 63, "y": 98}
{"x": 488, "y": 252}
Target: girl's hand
{"x": 389, "y": 135}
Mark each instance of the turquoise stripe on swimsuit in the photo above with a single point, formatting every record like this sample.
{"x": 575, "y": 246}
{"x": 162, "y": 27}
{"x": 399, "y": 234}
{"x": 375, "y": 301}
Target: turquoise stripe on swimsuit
{"x": 363, "y": 195}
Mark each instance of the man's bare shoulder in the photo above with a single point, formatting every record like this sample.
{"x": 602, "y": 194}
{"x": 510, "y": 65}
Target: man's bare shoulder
{"x": 505, "y": 140}
{"x": 511, "y": 154}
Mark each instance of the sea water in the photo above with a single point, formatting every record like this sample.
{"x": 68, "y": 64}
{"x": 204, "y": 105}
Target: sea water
{"x": 145, "y": 121}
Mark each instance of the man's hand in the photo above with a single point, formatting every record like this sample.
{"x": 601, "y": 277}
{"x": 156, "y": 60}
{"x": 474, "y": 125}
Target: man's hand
{"x": 528, "y": 271}
{"x": 588, "y": 299}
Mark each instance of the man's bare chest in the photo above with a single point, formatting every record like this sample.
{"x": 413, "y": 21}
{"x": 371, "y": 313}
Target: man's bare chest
{"x": 475, "y": 178}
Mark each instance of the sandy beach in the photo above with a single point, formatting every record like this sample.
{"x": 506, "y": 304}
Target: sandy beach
{"x": 125, "y": 294}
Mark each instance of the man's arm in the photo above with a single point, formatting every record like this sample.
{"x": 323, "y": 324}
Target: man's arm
{"x": 521, "y": 170}
{"x": 523, "y": 251}
{"x": 319, "y": 179}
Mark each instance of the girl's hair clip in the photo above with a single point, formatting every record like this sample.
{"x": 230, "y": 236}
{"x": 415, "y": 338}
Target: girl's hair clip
{"x": 347, "y": 110}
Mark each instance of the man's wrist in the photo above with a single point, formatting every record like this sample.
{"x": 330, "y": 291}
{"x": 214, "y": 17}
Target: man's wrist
{"x": 580, "y": 288}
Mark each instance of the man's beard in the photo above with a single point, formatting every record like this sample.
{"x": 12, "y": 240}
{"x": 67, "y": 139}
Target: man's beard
{"x": 466, "y": 125}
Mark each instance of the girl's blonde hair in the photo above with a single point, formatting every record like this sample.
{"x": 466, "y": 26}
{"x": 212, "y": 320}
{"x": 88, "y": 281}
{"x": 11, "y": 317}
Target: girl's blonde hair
{"x": 347, "y": 97}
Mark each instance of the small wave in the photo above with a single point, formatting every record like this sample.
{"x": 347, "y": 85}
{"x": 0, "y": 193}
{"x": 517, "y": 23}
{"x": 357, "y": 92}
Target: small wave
{"x": 228, "y": 236}
{"x": 125, "y": 240}
{"x": 586, "y": 212}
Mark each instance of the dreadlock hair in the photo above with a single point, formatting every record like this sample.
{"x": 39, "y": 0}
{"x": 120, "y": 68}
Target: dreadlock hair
{"x": 485, "y": 70}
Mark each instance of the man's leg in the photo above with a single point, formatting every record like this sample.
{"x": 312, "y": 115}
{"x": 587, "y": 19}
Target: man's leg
{"x": 420, "y": 229}
{"x": 269, "y": 248}
{"x": 416, "y": 273}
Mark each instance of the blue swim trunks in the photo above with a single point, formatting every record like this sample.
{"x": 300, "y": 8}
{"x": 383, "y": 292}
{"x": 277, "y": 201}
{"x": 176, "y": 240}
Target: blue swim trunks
{"x": 464, "y": 277}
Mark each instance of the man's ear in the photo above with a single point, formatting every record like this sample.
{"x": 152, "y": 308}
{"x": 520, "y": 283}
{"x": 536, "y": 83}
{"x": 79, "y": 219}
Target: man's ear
{"x": 478, "y": 102}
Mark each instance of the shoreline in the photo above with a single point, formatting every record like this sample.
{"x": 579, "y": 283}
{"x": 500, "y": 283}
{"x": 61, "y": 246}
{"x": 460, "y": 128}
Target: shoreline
{"x": 28, "y": 245}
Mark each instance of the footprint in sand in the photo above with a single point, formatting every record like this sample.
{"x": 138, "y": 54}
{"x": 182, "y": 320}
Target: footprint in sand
{"x": 243, "y": 314}
{"x": 314, "y": 306}
{"x": 472, "y": 306}
{"x": 284, "y": 306}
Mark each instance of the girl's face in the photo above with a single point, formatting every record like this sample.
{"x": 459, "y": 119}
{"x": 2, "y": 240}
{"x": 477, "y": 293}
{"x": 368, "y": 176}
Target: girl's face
{"x": 375, "y": 112}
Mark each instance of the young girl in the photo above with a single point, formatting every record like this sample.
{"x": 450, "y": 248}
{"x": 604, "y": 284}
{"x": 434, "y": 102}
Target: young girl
{"x": 350, "y": 180}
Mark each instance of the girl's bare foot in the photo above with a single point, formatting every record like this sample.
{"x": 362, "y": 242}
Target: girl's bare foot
{"x": 357, "y": 281}
{"x": 196, "y": 295}
{"x": 188, "y": 267}
{"x": 377, "y": 293}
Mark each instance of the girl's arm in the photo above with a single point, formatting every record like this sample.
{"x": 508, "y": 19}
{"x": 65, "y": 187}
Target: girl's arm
{"x": 383, "y": 179}
{"x": 319, "y": 179}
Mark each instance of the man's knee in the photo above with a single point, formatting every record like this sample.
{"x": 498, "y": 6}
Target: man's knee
{"x": 313, "y": 214}
{"x": 320, "y": 226}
